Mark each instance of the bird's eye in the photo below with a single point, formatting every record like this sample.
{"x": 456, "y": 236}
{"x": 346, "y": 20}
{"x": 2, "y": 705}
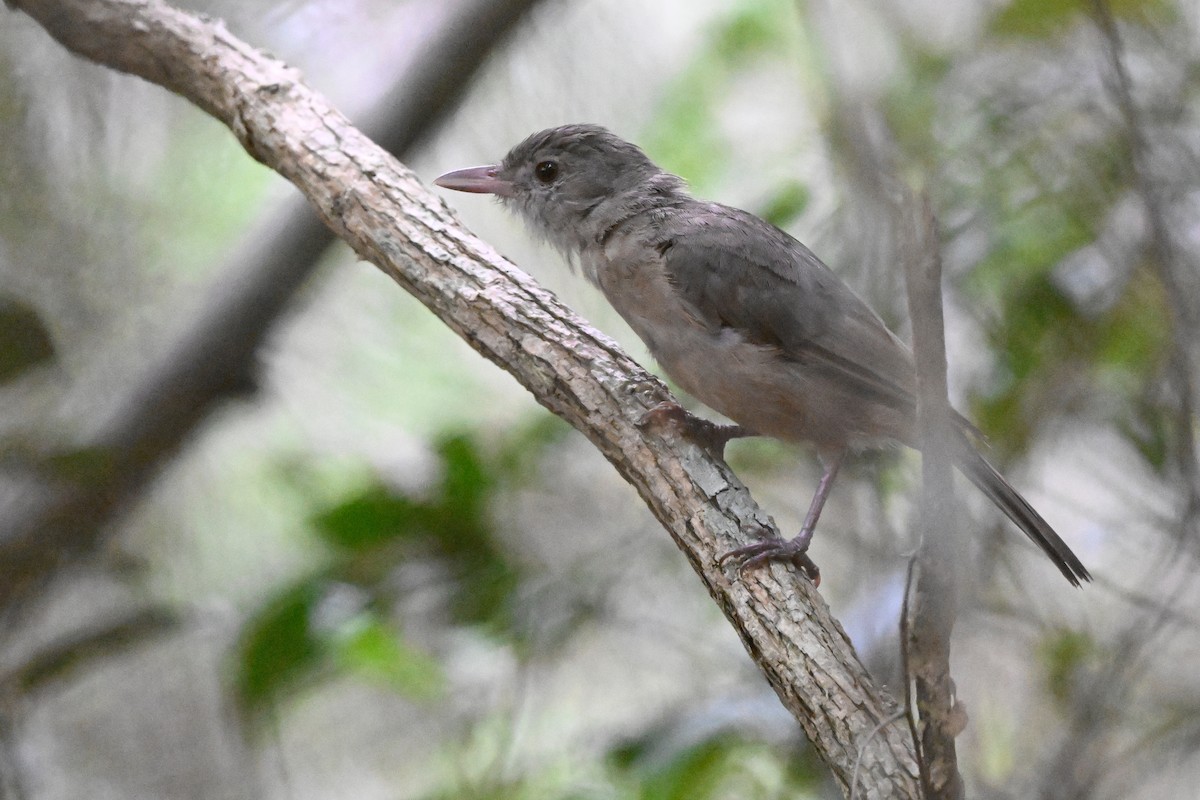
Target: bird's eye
{"x": 546, "y": 171}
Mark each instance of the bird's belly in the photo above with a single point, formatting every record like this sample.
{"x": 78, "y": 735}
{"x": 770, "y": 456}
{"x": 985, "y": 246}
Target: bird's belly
{"x": 759, "y": 389}
{"x": 752, "y": 384}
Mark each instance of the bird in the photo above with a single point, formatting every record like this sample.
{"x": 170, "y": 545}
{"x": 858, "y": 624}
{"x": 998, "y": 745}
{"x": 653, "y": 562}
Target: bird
{"x": 738, "y": 313}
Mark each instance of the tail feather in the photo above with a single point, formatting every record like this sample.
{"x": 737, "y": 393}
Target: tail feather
{"x": 1017, "y": 508}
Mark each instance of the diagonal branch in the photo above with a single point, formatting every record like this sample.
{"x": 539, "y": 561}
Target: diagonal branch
{"x": 383, "y": 212}
{"x": 214, "y": 358}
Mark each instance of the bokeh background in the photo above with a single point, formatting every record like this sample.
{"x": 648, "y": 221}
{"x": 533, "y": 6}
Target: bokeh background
{"x": 378, "y": 569}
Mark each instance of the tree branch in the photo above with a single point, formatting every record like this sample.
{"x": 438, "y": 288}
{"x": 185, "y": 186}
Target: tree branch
{"x": 380, "y": 208}
{"x": 931, "y": 598}
{"x": 214, "y": 358}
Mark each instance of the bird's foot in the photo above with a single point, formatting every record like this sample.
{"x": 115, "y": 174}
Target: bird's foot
{"x": 710, "y": 435}
{"x": 792, "y": 551}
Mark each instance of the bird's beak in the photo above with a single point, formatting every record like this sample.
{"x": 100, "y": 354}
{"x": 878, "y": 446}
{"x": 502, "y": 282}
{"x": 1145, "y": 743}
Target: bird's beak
{"x": 479, "y": 180}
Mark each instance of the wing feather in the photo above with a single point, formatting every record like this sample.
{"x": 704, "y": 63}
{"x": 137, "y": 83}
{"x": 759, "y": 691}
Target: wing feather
{"x": 737, "y": 271}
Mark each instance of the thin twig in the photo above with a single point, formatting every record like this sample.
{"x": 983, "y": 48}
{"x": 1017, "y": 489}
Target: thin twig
{"x": 900, "y": 712}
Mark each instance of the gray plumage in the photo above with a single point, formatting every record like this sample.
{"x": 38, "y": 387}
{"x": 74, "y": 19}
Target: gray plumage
{"x": 741, "y": 315}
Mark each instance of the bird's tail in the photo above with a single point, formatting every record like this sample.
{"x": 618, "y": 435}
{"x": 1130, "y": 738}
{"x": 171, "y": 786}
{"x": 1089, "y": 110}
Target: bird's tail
{"x": 1017, "y": 508}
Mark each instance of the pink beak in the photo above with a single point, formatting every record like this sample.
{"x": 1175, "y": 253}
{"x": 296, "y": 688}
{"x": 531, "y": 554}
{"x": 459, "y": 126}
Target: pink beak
{"x": 479, "y": 180}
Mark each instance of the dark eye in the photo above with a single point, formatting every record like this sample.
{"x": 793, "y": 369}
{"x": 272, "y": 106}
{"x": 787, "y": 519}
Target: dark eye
{"x": 546, "y": 171}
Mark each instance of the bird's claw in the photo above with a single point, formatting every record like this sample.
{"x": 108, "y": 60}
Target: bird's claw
{"x": 759, "y": 554}
{"x": 710, "y": 435}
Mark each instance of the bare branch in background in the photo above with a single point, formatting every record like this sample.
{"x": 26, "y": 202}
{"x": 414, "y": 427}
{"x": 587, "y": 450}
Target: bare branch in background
{"x": 931, "y": 600}
{"x": 382, "y": 211}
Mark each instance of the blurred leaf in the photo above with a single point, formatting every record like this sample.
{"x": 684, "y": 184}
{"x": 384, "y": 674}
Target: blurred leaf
{"x": 296, "y": 636}
{"x": 1035, "y": 17}
{"x": 84, "y": 465}
{"x": 1045, "y": 341}
{"x": 788, "y": 203}
{"x": 278, "y": 648}
{"x": 685, "y": 136}
{"x": 523, "y": 450}
{"x": 466, "y": 486}
{"x": 760, "y": 455}
{"x": 1042, "y": 18}
{"x": 753, "y": 29}
{"x": 725, "y": 764}
{"x": 1133, "y": 336}
{"x": 452, "y": 522}
{"x": 1037, "y": 327}
{"x": 487, "y": 586}
{"x": 696, "y": 773}
{"x": 374, "y": 516}
{"x": 373, "y": 650}
{"x": 1065, "y": 654}
{"x": 911, "y": 106}
{"x": 81, "y": 465}
{"x": 1029, "y": 241}
{"x": 1150, "y": 431}
{"x": 24, "y": 340}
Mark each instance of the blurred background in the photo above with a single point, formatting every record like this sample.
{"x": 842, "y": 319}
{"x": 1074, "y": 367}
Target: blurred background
{"x": 268, "y": 529}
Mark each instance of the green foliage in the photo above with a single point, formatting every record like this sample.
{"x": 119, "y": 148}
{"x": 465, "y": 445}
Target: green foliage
{"x": 1039, "y": 194}
{"x": 297, "y": 638}
{"x": 205, "y": 162}
{"x": 1035, "y": 17}
{"x": 1044, "y": 338}
{"x": 305, "y": 632}
{"x": 753, "y": 30}
{"x": 1044, "y": 18}
{"x": 373, "y": 517}
{"x": 911, "y": 103}
{"x": 1028, "y": 241}
{"x": 722, "y": 765}
{"x": 24, "y": 340}
{"x": 84, "y": 466}
{"x": 786, "y": 204}
{"x": 451, "y": 523}
{"x": 278, "y": 647}
{"x": 1065, "y": 654}
{"x": 368, "y": 647}
{"x": 694, "y": 774}
{"x": 1150, "y": 430}
{"x": 685, "y": 135}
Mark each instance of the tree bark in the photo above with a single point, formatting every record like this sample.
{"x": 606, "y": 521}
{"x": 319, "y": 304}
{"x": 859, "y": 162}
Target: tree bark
{"x": 383, "y": 212}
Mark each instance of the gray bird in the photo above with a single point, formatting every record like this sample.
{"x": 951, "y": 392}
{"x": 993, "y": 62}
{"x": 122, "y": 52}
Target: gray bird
{"x": 739, "y": 314}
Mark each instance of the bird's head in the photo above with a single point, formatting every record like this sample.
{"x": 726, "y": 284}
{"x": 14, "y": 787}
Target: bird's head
{"x": 568, "y": 183}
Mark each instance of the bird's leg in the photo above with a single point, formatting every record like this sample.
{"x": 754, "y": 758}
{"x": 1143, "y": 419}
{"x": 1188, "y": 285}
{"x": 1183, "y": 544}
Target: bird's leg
{"x": 795, "y": 549}
{"x": 711, "y": 435}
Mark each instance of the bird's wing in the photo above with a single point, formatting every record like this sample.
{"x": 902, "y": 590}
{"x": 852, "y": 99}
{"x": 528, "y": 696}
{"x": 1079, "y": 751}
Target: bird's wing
{"x": 736, "y": 271}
